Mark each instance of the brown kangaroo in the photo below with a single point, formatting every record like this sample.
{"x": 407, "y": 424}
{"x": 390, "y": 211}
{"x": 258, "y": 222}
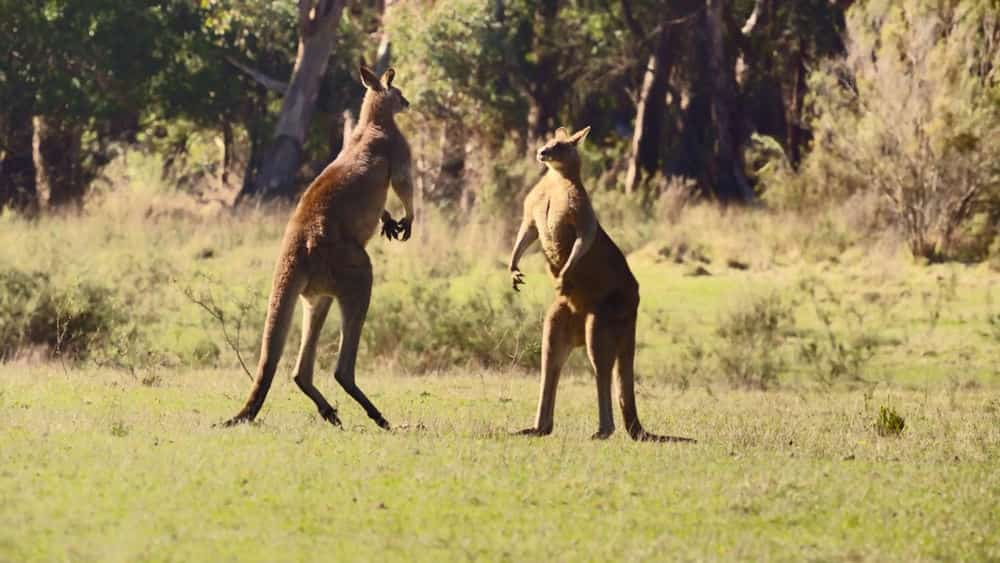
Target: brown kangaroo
{"x": 597, "y": 296}
{"x": 323, "y": 256}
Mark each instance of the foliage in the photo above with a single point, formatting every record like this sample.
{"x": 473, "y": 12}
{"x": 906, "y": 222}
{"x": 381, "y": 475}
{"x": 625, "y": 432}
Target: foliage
{"x": 146, "y": 245}
{"x": 430, "y": 329}
{"x": 910, "y": 114}
{"x": 68, "y": 322}
{"x": 99, "y": 72}
{"x": 481, "y": 62}
{"x": 888, "y": 423}
{"x": 750, "y": 351}
{"x": 836, "y": 355}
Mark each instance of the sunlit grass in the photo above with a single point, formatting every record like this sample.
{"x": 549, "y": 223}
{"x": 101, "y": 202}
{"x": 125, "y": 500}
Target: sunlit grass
{"x": 96, "y": 465}
{"x": 116, "y": 458}
{"x": 931, "y": 324}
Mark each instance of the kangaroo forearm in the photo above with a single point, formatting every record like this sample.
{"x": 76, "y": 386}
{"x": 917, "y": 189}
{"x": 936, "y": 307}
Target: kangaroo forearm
{"x": 580, "y": 247}
{"x": 525, "y": 237}
{"x": 402, "y": 185}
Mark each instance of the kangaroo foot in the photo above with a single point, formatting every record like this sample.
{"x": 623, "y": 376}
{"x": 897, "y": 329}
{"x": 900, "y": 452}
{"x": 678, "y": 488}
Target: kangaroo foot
{"x": 330, "y": 415}
{"x": 381, "y": 422}
{"x": 532, "y": 432}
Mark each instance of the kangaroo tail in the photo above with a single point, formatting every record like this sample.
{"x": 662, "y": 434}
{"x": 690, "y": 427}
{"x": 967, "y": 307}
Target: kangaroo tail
{"x": 285, "y": 290}
{"x": 626, "y": 395}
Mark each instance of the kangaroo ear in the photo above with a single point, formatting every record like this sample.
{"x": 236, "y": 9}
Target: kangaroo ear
{"x": 579, "y": 135}
{"x": 388, "y": 76}
{"x": 562, "y": 134}
{"x": 369, "y": 79}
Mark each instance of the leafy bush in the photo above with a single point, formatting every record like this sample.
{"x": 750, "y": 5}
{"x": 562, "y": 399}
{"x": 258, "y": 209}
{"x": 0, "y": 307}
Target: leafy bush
{"x": 429, "y": 328}
{"x": 909, "y": 114}
{"x": 835, "y": 355}
{"x": 70, "y": 321}
{"x": 750, "y": 352}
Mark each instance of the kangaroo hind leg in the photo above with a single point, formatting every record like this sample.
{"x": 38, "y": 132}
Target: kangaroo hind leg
{"x": 603, "y": 336}
{"x": 354, "y": 290}
{"x": 314, "y": 314}
{"x": 557, "y": 343}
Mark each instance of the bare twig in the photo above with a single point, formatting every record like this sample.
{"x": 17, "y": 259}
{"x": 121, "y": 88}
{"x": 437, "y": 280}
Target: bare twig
{"x": 207, "y": 302}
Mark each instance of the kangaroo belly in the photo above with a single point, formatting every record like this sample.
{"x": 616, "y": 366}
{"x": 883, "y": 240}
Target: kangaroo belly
{"x": 601, "y": 274}
{"x": 557, "y": 243}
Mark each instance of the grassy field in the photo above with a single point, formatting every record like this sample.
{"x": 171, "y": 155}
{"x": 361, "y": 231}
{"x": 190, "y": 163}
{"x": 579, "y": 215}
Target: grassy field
{"x": 111, "y": 454}
{"x": 98, "y": 466}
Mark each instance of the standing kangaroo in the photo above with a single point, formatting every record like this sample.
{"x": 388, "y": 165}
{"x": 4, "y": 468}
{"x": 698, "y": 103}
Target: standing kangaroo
{"x": 323, "y": 254}
{"x": 597, "y": 295}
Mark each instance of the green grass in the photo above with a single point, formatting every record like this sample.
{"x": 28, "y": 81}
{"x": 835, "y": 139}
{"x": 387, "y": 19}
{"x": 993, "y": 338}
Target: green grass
{"x": 930, "y": 324}
{"x": 115, "y": 457}
{"x": 97, "y": 466}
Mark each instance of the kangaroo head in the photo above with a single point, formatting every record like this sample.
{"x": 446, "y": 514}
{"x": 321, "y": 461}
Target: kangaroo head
{"x": 383, "y": 99}
{"x": 560, "y": 153}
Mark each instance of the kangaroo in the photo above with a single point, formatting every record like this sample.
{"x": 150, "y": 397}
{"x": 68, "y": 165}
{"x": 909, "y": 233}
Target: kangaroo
{"x": 597, "y": 296}
{"x": 323, "y": 256}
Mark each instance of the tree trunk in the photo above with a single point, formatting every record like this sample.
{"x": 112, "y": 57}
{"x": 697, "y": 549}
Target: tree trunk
{"x": 763, "y": 98}
{"x": 227, "y": 153}
{"x": 318, "y": 20}
{"x": 797, "y": 134}
{"x": 646, "y": 136}
{"x": 60, "y": 162}
{"x": 729, "y": 181}
{"x": 449, "y": 181}
{"x": 544, "y": 91}
{"x": 18, "y": 186}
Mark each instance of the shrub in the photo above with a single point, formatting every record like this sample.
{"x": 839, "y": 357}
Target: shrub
{"x": 750, "y": 352}
{"x": 430, "y": 328}
{"x": 889, "y": 422}
{"x": 835, "y": 355}
{"x": 70, "y": 321}
{"x": 910, "y": 113}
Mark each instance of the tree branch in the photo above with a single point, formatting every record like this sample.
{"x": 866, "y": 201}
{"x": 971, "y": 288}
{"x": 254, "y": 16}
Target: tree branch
{"x": 264, "y": 80}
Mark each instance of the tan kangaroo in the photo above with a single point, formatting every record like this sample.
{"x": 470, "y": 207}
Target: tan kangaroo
{"x": 597, "y": 296}
{"x": 323, "y": 256}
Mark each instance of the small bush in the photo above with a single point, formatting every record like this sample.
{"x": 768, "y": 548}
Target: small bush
{"x": 834, "y": 354}
{"x": 994, "y": 322}
{"x": 889, "y": 422}
{"x": 70, "y": 321}
{"x": 750, "y": 352}
{"x": 430, "y": 328}
{"x": 119, "y": 429}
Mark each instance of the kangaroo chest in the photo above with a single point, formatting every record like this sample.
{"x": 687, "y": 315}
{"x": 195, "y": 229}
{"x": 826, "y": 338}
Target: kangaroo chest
{"x": 555, "y": 220}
